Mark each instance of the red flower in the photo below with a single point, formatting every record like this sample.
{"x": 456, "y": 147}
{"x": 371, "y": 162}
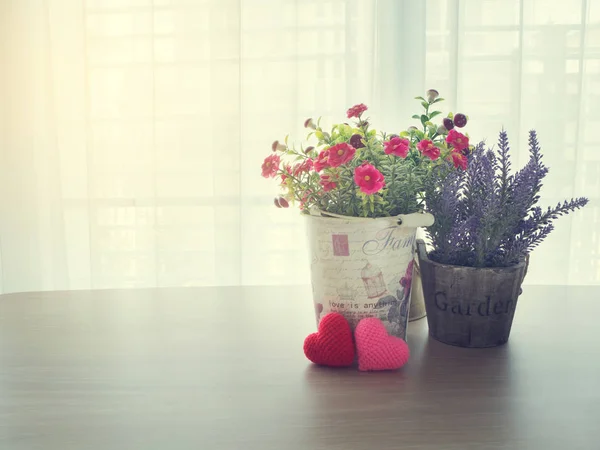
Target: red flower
{"x": 396, "y": 146}
{"x": 459, "y": 160}
{"x": 322, "y": 161}
{"x": 340, "y": 154}
{"x": 429, "y": 149}
{"x": 328, "y": 183}
{"x": 270, "y": 166}
{"x": 303, "y": 167}
{"x": 356, "y": 110}
{"x": 286, "y": 173}
{"x": 457, "y": 140}
{"x": 369, "y": 179}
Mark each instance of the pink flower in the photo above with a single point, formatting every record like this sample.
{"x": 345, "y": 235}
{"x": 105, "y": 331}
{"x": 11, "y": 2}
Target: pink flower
{"x": 340, "y": 154}
{"x": 369, "y": 179}
{"x": 303, "y": 167}
{"x": 396, "y": 146}
{"x": 287, "y": 170}
{"x": 459, "y": 160}
{"x": 304, "y": 199}
{"x": 457, "y": 140}
{"x": 429, "y": 149}
{"x": 328, "y": 183}
{"x": 270, "y": 166}
{"x": 322, "y": 161}
{"x": 356, "y": 110}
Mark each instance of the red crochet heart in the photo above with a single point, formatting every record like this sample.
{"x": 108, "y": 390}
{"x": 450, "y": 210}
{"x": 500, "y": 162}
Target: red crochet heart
{"x": 332, "y": 345}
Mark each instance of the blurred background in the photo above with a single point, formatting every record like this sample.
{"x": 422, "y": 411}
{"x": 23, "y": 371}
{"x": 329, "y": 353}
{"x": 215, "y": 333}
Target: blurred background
{"x": 132, "y": 131}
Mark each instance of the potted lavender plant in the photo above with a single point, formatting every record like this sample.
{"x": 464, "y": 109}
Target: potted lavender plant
{"x": 487, "y": 223}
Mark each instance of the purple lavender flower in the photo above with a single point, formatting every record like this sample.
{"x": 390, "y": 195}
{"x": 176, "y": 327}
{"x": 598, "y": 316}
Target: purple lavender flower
{"x": 487, "y": 217}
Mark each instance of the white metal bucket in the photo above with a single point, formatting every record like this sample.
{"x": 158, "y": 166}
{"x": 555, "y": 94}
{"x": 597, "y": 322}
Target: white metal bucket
{"x": 363, "y": 267}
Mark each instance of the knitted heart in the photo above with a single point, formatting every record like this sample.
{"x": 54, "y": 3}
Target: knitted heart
{"x": 332, "y": 345}
{"x": 376, "y": 349}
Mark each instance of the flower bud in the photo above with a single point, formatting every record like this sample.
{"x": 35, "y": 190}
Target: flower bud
{"x": 356, "y": 141}
{"x": 460, "y": 120}
{"x": 448, "y": 124}
{"x": 442, "y": 130}
{"x": 412, "y": 129}
{"x": 326, "y": 136}
{"x": 308, "y": 149}
{"x": 432, "y": 94}
{"x": 283, "y": 202}
{"x": 278, "y": 146}
{"x": 276, "y": 202}
{"x": 308, "y": 123}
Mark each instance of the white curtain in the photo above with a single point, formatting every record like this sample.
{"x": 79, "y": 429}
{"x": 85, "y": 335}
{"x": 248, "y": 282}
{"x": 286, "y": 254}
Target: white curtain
{"x": 132, "y": 131}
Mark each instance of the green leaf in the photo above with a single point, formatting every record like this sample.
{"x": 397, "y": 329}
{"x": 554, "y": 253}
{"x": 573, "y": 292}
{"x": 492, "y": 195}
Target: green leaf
{"x": 439, "y": 99}
{"x": 319, "y": 135}
{"x": 425, "y": 104}
{"x": 424, "y": 119}
{"x": 432, "y": 114}
{"x": 416, "y": 116}
{"x": 372, "y": 207}
{"x": 450, "y": 115}
{"x": 404, "y": 134}
{"x": 419, "y": 98}
{"x": 419, "y": 134}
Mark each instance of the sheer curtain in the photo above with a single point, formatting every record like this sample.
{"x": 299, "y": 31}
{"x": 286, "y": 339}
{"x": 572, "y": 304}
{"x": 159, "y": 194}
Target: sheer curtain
{"x": 132, "y": 131}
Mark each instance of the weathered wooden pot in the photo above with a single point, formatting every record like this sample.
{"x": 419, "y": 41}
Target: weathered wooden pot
{"x": 468, "y": 306}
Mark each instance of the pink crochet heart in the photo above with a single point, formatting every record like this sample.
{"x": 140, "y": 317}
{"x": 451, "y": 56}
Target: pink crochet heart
{"x": 376, "y": 349}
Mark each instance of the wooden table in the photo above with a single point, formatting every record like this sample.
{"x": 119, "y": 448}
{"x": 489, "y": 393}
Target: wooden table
{"x": 222, "y": 368}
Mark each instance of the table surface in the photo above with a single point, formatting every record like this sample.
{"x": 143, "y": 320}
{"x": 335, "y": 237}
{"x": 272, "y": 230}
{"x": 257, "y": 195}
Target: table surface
{"x": 223, "y": 368}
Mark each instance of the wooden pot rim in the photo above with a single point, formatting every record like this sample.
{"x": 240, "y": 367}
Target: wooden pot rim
{"x": 422, "y": 255}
